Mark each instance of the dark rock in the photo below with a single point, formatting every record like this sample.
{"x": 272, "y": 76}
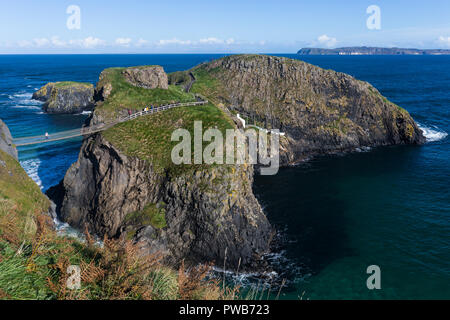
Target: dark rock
{"x": 372, "y": 51}
{"x": 321, "y": 111}
{"x": 203, "y": 218}
{"x": 148, "y": 77}
{"x": 6, "y": 141}
{"x": 66, "y": 97}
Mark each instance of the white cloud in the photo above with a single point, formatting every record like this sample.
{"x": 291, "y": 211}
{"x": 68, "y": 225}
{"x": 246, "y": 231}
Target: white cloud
{"x": 41, "y": 42}
{"x": 203, "y": 41}
{"x": 445, "y": 41}
{"x": 141, "y": 42}
{"x": 123, "y": 42}
{"x": 57, "y": 42}
{"x": 211, "y": 40}
{"x": 24, "y": 43}
{"x": 174, "y": 41}
{"x": 327, "y": 41}
{"x": 88, "y": 43}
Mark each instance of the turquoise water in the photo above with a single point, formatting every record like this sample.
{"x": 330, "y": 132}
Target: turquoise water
{"x": 388, "y": 207}
{"x": 337, "y": 215}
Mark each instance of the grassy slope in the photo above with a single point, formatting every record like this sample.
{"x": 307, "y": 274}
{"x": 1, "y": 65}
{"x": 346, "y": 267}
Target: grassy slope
{"x": 34, "y": 260}
{"x": 126, "y": 96}
{"x": 149, "y": 137}
{"x": 16, "y": 185}
{"x": 64, "y": 84}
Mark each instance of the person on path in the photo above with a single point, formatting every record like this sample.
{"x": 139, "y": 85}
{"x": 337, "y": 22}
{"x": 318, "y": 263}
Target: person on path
{"x": 46, "y": 135}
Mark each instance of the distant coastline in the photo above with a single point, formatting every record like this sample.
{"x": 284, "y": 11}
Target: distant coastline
{"x": 371, "y": 51}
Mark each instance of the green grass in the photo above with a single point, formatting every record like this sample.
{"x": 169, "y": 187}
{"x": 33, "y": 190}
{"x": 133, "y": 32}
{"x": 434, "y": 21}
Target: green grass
{"x": 149, "y": 137}
{"x": 206, "y": 84}
{"x": 179, "y": 78}
{"x": 153, "y": 215}
{"x": 64, "y": 84}
{"x": 126, "y": 96}
{"x": 16, "y": 185}
{"x": 17, "y": 282}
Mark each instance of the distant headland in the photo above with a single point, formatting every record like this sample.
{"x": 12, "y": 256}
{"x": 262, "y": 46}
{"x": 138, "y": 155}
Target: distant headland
{"x": 371, "y": 51}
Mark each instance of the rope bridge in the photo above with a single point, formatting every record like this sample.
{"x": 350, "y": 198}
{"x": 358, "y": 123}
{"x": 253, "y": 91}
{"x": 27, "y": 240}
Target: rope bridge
{"x": 63, "y": 135}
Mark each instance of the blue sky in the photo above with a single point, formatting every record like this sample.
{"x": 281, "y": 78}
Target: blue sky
{"x": 200, "y": 26}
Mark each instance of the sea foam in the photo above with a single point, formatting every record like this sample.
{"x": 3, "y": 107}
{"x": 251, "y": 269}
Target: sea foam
{"x": 433, "y": 134}
{"x": 31, "y": 167}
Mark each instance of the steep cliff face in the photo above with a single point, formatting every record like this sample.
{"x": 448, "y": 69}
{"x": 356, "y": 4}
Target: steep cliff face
{"x": 148, "y": 77}
{"x": 197, "y": 216}
{"x": 321, "y": 111}
{"x": 16, "y": 187}
{"x": 66, "y": 97}
{"x": 6, "y": 141}
{"x": 125, "y": 184}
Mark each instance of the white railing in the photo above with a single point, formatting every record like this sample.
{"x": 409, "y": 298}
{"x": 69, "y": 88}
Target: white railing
{"x": 24, "y": 141}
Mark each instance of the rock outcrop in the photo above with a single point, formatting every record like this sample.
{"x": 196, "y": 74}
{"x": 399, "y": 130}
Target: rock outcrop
{"x": 321, "y": 111}
{"x": 15, "y": 185}
{"x": 6, "y": 144}
{"x": 198, "y": 217}
{"x": 211, "y": 214}
{"x": 371, "y": 51}
{"x": 148, "y": 77}
{"x": 66, "y": 97}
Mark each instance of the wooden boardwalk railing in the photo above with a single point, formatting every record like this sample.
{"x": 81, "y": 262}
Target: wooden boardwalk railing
{"x": 63, "y": 135}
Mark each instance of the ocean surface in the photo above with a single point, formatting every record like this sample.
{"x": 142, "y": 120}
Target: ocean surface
{"x": 336, "y": 215}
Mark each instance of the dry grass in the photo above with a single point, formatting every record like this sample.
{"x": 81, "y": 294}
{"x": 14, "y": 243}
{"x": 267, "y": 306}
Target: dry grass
{"x": 34, "y": 264}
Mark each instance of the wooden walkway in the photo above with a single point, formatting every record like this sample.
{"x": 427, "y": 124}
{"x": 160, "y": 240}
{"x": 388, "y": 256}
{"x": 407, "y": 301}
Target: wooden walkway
{"x": 63, "y": 135}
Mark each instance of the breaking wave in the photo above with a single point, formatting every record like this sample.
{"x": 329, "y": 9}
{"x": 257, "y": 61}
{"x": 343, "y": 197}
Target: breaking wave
{"x": 433, "y": 134}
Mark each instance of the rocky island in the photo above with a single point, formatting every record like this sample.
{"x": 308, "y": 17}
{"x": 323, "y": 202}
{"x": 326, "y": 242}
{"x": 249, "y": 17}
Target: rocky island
{"x": 371, "y": 51}
{"x": 125, "y": 188}
{"x": 66, "y": 97}
{"x": 34, "y": 259}
{"x": 125, "y": 185}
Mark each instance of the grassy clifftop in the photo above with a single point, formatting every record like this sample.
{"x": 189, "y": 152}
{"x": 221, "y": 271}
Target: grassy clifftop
{"x": 149, "y": 137}
{"x": 19, "y": 189}
{"x": 34, "y": 260}
{"x": 119, "y": 95}
{"x": 323, "y": 111}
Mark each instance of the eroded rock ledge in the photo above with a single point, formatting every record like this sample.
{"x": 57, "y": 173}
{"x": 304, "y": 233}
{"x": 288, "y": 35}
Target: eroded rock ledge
{"x": 66, "y": 97}
{"x": 194, "y": 216}
{"x": 200, "y": 215}
{"x": 321, "y": 111}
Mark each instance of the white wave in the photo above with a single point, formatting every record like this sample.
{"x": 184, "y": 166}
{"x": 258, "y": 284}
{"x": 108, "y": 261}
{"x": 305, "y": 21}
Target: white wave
{"x": 434, "y": 134}
{"x": 363, "y": 149}
{"x": 31, "y": 167}
{"x": 63, "y": 229}
{"x": 84, "y": 113}
{"x": 245, "y": 279}
{"x": 23, "y": 95}
{"x": 31, "y": 102}
{"x": 31, "y": 107}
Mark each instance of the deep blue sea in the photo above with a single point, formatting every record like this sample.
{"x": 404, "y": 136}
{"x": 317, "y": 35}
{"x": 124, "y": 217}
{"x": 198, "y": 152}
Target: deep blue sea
{"x": 336, "y": 215}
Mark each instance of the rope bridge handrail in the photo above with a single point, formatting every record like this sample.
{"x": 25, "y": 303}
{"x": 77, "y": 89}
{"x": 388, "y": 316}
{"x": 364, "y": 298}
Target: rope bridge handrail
{"x": 63, "y": 135}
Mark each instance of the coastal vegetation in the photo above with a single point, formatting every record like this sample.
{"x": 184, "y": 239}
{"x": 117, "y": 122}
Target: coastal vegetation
{"x": 66, "y": 97}
{"x": 125, "y": 189}
{"x": 149, "y": 138}
{"x": 34, "y": 258}
{"x": 122, "y": 95}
